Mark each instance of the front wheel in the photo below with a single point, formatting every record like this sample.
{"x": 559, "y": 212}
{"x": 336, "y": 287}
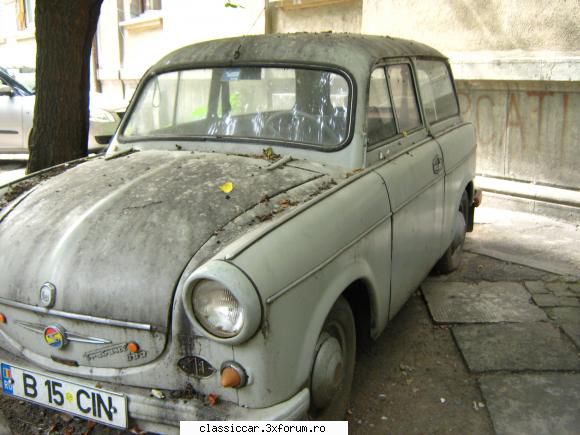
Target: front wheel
{"x": 333, "y": 367}
{"x": 452, "y": 257}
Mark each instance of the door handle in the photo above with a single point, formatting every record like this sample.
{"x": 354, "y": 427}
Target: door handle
{"x": 437, "y": 164}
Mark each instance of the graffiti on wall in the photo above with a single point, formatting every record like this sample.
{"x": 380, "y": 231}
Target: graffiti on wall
{"x": 529, "y": 135}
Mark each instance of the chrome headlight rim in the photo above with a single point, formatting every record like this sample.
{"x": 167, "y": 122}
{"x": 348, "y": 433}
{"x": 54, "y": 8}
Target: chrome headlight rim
{"x": 239, "y": 285}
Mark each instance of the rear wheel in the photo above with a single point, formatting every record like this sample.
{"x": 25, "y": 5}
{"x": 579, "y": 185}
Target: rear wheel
{"x": 452, "y": 257}
{"x": 333, "y": 368}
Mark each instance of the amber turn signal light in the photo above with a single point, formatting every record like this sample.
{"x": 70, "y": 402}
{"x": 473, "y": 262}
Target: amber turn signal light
{"x": 233, "y": 375}
{"x": 230, "y": 378}
{"x": 132, "y": 347}
{"x": 2, "y": 318}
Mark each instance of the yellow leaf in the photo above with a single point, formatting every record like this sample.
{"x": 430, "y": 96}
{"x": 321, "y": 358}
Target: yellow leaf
{"x": 227, "y": 187}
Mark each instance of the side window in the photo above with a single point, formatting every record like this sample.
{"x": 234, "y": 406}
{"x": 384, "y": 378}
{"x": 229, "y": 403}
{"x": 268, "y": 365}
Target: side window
{"x": 404, "y": 98}
{"x": 436, "y": 90}
{"x": 380, "y": 120}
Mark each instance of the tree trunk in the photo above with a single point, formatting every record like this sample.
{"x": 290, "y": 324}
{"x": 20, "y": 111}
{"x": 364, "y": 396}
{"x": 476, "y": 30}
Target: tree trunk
{"x": 64, "y": 35}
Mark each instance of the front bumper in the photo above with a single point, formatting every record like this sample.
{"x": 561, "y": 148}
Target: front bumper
{"x": 164, "y": 415}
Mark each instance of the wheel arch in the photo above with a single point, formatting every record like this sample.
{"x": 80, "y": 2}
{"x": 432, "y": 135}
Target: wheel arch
{"x": 363, "y": 306}
{"x": 470, "y": 190}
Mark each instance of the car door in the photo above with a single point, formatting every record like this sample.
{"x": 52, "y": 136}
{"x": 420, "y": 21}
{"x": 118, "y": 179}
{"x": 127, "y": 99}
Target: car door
{"x": 410, "y": 163}
{"x": 10, "y": 121}
{"x": 455, "y": 137}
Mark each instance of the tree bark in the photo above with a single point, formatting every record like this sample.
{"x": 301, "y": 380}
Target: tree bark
{"x": 64, "y": 35}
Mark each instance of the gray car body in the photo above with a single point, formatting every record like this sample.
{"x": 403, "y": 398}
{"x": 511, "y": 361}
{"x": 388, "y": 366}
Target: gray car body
{"x": 124, "y": 248}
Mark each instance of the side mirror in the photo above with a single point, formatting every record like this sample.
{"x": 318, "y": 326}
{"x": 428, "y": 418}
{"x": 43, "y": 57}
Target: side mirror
{"x": 6, "y": 91}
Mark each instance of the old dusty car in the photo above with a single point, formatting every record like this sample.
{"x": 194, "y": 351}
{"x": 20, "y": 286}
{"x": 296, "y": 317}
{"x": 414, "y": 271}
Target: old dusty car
{"x": 267, "y": 203}
{"x": 16, "y": 115}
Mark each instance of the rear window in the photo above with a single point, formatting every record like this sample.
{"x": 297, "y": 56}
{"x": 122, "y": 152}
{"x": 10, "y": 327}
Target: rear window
{"x": 437, "y": 93}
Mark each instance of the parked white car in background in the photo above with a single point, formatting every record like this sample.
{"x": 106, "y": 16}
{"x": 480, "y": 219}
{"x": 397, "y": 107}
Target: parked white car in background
{"x": 17, "y": 109}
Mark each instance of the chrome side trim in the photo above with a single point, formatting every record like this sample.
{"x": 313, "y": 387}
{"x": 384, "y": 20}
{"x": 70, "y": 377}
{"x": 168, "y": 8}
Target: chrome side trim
{"x": 70, "y": 336}
{"x": 34, "y": 327}
{"x": 74, "y": 316}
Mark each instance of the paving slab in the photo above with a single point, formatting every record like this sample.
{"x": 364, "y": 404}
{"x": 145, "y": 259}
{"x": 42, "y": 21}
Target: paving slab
{"x": 561, "y": 288}
{"x": 516, "y": 347}
{"x": 546, "y": 300}
{"x": 539, "y": 404}
{"x": 522, "y": 238}
{"x": 573, "y": 331}
{"x": 569, "y": 302}
{"x": 536, "y": 287}
{"x": 564, "y": 314}
{"x": 484, "y": 302}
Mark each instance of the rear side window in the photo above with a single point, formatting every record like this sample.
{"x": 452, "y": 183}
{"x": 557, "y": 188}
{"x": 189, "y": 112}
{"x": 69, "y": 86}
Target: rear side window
{"x": 437, "y": 93}
{"x": 404, "y": 98}
{"x": 380, "y": 119}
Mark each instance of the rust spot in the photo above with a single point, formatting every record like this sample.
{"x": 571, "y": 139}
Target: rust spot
{"x": 212, "y": 399}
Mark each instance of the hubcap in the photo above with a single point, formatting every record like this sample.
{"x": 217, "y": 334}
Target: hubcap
{"x": 327, "y": 373}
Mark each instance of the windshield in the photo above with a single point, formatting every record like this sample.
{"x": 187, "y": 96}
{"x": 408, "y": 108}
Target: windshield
{"x": 281, "y": 104}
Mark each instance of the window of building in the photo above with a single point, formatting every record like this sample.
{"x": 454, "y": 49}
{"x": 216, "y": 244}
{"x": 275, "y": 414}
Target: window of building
{"x": 138, "y": 8}
{"x": 380, "y": 120}
{"x": 404, "y": 98}
{"x": 437, "y": 92}
{"x": 25, "y": 14}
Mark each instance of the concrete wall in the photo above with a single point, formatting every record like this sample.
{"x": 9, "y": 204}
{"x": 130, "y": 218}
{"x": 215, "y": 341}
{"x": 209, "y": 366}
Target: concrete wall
{"x": 468, "y": 25}
{"x": 526, "y": 131}
{"x": 517, "y": 65}
{"x": 341, "y": 17}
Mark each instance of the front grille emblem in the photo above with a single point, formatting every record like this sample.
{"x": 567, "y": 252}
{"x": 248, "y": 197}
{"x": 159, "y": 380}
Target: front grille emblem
{"x": 55, "y": 336}
{"x": 47, "y": 295}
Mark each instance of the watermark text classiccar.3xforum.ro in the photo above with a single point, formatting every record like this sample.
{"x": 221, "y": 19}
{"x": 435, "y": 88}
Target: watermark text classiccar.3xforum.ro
{"x": 259, "y": 427}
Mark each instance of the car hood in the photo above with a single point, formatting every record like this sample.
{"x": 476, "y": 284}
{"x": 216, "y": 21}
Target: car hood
{"x": 113, "y": 236}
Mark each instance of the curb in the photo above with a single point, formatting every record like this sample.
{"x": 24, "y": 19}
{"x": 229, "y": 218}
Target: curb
{"x": 553, "y": 202}
{"x": 536, "y": 192}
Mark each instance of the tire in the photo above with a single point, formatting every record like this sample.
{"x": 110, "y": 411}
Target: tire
{"x": 451, "y": 260}
{"x": 333, "y": 366}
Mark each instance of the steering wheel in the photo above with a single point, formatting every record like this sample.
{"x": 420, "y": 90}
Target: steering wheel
{"x": 312, "y": 120}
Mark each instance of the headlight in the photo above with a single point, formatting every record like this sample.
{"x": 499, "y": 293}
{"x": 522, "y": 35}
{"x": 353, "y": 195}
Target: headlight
{"x": 222, "y": 303}
{"x": 217, "y": 309}
{"x": 100, "y": 115}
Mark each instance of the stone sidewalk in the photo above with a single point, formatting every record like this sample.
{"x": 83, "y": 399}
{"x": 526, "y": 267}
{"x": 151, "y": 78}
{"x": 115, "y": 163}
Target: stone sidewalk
{"x": 520, "y": 338}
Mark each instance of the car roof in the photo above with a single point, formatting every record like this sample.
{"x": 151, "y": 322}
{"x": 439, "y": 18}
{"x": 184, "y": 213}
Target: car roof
{"x": 353, "y": 52}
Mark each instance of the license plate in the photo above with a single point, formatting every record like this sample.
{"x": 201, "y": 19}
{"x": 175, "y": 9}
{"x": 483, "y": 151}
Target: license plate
{"x": 87, "y": 402}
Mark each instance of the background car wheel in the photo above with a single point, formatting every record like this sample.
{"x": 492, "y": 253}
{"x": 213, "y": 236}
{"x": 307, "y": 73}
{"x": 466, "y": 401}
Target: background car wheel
{"x": 452, "y": 257}
{"x": 333, "y": 367}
